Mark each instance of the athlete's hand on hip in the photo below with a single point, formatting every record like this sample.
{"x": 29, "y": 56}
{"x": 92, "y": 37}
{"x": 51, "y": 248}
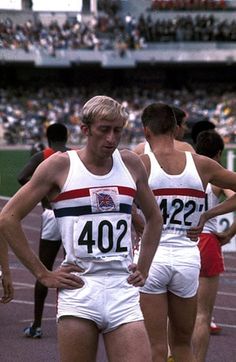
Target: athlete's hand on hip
{"x": 136, "y": 278}
{"x": 63, "y": 277}
{"x": 194, "y": 232}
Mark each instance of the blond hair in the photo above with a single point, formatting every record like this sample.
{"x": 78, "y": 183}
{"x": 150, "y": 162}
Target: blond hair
{"x": 103, "y": 107}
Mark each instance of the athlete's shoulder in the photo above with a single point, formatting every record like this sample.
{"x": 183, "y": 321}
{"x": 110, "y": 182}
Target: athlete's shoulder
{"x": 139, "y": 149}
{"x": 184, "y": 146}
{"x": 134, "y": 164}
{"x": 129, "y": 155}
{"x": 204, "y": 160}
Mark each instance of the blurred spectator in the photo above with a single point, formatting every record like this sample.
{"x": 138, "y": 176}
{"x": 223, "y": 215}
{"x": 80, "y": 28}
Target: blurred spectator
{"x": 188, "y": 4}
{"x": 24, "y": 121}
{"x": 108, "y": 30}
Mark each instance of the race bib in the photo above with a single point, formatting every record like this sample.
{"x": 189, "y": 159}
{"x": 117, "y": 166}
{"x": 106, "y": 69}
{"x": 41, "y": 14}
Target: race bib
{"x": 101, "y": 237}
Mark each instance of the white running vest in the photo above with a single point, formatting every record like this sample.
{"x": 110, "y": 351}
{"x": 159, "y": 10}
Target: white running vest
{"x": 181, "y": 199}
{"x": 147, "y": 148}
{"x": 211, "y": 201}
{"x": 94, "y": 217}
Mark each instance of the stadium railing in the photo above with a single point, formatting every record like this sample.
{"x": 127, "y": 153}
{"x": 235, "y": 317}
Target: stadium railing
{"x": 162, "y": 53}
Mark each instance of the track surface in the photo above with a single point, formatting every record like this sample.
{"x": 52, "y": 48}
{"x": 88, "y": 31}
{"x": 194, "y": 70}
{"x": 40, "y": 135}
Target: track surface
{"x": 15, "y": 316}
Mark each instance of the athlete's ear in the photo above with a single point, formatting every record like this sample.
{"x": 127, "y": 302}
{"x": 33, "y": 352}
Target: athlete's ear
{"x": 84, "y": 129}
{"x": 218, "y": 156}
{"x": 146, "y": 132}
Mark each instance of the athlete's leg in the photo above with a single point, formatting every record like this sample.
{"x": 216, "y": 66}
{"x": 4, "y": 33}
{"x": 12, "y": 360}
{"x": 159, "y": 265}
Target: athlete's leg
{"x": 48, "y": 250}
{"x": 78, "y": 339}
{"x": 206, "y": 298}
{"x": 154, "y": 308}
{"x": 129, "y": 342}
{"x": 182, "y": 315}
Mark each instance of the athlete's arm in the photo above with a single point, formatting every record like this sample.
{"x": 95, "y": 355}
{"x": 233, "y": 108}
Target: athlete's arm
{"x": 213, "y": 172}
{"x": 46, "y": 180}
{"x": 224, "y": 237}
{"x": 153, "y": 218}
{"x": 26, "y": 173}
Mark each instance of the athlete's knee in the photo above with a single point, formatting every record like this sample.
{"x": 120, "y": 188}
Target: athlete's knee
{"x": 203, "y": 318}
{"x": 159, "y": 351}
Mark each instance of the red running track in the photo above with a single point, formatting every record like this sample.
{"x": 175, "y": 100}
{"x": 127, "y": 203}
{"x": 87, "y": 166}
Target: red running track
{"x": 15, "y": 316}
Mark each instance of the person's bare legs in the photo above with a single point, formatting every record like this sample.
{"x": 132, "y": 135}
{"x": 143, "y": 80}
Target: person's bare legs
{"x": 78, "y": 339}
{"x": 129, "y": 342}
{"x": 182, "y": 315}
{"x": 48, "y": 250}
{"x": 154, "y": 308}
{"x": 206, "y": 299}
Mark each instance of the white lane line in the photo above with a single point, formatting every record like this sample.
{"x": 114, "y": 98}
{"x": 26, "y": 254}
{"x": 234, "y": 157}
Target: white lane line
{"x": 226, "y": 293}
{"x": 226, "y": 325}
{"x": 44, "y": 319}
{"x": 229, "y": 269}
{"x": 19, "y": 301}
{"x": 230, "y": 275}
{"x": 4, "y": 198}
{"x": 230, "y": 257}
{"x": 225, "y": 308}
{"x": 25, "y": 285}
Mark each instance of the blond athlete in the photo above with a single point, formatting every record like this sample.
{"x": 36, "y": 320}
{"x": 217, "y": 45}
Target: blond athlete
{"x": 92, "y": 191}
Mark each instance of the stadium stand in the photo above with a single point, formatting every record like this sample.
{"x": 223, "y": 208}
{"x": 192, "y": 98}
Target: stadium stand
{"x": 189, "y": 5}
{"x": 24, "y": 118}
{"x": 185, "y": 55}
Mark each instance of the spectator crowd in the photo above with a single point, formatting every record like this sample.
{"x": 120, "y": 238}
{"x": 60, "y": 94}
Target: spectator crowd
{"x": 189, "y": 5}
{"x": 104, "y": 32}
{"x": 25, "y": 114}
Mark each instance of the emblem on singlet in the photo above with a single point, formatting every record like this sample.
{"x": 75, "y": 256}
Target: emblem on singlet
{"x": 104, "y": 199}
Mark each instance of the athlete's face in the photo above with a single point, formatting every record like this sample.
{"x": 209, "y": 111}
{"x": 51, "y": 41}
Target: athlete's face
{"x": 217, "y": 157}
{"x": 104, "y": 136}
{"x": 181, "y": 130}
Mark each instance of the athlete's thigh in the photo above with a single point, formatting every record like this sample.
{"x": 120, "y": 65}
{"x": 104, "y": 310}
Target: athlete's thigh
{"x": 182, "y": 314}
{"x": 78, "y": 339}
{"x": 129, "y": 342}
{"x": 155, "y": 310}
{"x": 207, "y": 291}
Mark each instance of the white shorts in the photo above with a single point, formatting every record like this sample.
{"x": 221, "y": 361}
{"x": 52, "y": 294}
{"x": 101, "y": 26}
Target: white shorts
{"x": 108, "y": 300}
{"x": 49, "y": 228}
{"x": 175, "y": 270}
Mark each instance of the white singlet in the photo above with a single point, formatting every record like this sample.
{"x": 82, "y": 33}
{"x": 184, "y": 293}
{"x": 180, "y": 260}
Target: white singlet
{"x": 211, "y": 201}
{"x": 181, "y": 199}
{"x": 147, "y": 148}
{"x": 94, "y": 217}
